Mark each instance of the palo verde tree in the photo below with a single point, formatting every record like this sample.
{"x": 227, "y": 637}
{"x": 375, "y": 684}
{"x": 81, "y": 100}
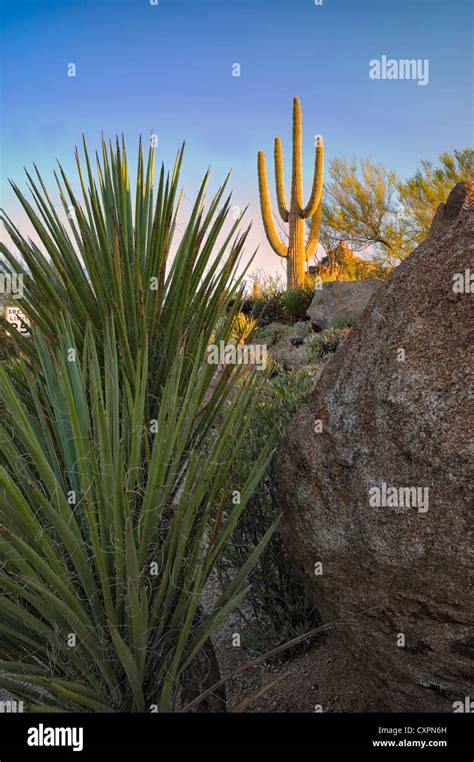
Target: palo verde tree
{"x": 430, "y": 186}
{"x": 362, "y": 207}
{"x": 369, "y": 207}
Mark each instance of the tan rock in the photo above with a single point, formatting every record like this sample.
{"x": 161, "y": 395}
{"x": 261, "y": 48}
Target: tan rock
{"x": 394, "y": 402}
{"x": 338, "y": 300}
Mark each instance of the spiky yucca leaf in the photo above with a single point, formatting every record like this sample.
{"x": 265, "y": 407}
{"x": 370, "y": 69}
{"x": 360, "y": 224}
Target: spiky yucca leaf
{"x": 243, "y": 327}
{"x": 114, "y": 255}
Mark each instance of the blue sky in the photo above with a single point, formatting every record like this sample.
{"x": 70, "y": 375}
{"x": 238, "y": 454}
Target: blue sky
{"x": 168, "y": 69}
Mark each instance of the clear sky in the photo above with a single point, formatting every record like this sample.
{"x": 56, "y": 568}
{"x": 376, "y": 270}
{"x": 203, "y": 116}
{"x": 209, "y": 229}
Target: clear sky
{"x": 167, "y": 69}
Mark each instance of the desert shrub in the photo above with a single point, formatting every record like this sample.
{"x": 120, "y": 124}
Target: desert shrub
{"x": 297, "y": 301}
{"x": 247, "y": 306}
{"x": 267, "y": 286}
{"x": 266, "y": 302}
{"x": 116, "y": 443}
{"x": 243, "y": 327}
{"x": 328, "y": 341}
{"x": 269, "y": 310}
{"x": 272, "y": 333}
{"x": 346, "y": 321}
{"x": 300, "y": 328}
{"x": 280, "y": 606}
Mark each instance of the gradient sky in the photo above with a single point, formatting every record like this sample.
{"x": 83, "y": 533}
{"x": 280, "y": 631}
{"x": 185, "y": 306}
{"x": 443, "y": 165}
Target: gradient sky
{"x": 167, "y": 69}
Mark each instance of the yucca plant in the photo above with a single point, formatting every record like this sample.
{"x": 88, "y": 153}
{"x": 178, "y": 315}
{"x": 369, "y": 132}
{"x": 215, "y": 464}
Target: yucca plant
{"x": 243, "y": 327}
{"x": 115, "y": 449}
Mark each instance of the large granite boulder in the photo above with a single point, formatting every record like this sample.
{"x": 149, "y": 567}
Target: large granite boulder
{"x": 341, "y": 300}
{"x": 378, "y": 513}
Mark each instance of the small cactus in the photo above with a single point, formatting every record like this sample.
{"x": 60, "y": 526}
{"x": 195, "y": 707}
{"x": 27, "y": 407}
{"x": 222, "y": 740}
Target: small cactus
{"x": 297, "y": 252}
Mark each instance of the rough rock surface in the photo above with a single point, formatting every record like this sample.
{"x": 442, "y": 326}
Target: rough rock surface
{"x": 399, "y": 418}
{"x": 461, "y": 197}
{"x": 339, "y": 299}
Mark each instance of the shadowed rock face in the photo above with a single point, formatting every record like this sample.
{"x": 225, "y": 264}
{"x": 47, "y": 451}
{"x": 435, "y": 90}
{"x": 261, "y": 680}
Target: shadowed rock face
{"x": 461, "y": 197}
{"x": 400, "y": 419}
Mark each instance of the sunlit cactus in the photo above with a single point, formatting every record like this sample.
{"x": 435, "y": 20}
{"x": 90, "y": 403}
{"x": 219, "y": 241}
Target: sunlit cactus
{"x": 297, "y": 252}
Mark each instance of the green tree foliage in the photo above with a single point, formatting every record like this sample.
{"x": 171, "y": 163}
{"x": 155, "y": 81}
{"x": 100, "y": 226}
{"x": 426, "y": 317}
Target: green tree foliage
{"x": 368, "y": 206}
{"x": 430, "y": 186}
{"x": 361, "y": 207}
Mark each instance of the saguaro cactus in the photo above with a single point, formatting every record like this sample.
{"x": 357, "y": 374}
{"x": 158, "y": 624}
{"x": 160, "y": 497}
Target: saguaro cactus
{"x": 297, "y": 252}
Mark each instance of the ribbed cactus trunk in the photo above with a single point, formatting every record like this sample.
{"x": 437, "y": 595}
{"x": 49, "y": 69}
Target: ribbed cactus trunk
{"x": 296, "y": 259}
{"x": 297, "y": 252}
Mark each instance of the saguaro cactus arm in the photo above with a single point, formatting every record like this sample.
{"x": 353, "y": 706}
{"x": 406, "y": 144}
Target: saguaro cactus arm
{"x": 317, "y": 189}
{"x": 280, "y": 181}
{"x": 277, "y": 245}
{"x": 297, "y": 173}
{"x": 313, "y": 239}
